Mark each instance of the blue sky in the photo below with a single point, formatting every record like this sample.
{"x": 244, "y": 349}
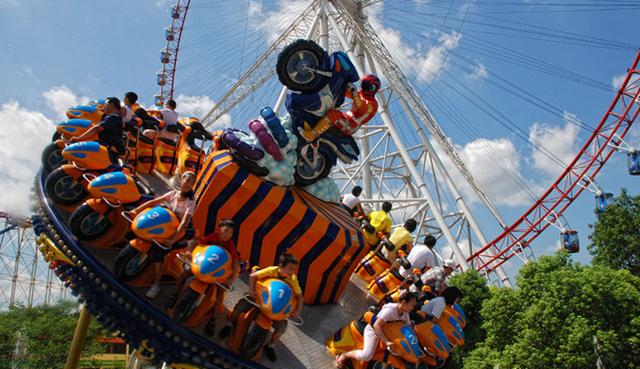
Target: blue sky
{"x": 63, "y": 52}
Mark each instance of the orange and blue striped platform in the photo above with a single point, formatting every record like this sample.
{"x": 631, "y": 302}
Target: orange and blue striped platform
{"x": 273, "y": 219}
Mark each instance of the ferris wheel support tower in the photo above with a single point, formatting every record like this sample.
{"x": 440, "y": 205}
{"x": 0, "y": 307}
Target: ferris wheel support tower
{"x": 386, "y": 154}
{"x": 25, "y": 277}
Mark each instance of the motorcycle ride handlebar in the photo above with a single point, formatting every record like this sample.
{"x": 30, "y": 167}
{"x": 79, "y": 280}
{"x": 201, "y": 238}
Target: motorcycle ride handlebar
{"x": 293, "y": 321}
{"x": 388, "y": 244}
{"x": 125, "y": 215}
{"x": 225, "y": 287}
{"x": 404, "y": 262}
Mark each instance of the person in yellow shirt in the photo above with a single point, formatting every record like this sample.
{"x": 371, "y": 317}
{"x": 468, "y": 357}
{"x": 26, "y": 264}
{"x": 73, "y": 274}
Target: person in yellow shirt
{"x": 401, "y": 240}
{"x": 285, "y": 270}
{"x": 379, "y": 222}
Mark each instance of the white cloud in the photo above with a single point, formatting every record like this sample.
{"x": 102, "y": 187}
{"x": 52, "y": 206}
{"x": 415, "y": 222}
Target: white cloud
{"x": 617, "y": 80}
{"x": 446, "y": 251}
{"x": 561, "y": 141}
{"x": 273, "y": 23}
{"x": 60, "y": 98}
{"x": 422, "y": 64}
{"x": 499, "y": 179}
{"x": 199, "y": 106}
{"x": 479, "y": 71}
{"x": 8, "y": 3}
{"x": 163, "y": 4}
{"x": 24, "y": 134}
{"x": 496, "y": 166}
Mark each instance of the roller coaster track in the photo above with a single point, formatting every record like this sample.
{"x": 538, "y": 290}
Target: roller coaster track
{"x": 580, "y": 173}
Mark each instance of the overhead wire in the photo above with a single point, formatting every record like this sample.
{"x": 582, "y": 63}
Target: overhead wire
{"x": 471, "y": 42}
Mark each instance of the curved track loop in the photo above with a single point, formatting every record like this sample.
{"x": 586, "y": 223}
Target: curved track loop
{"x": 580, "y": 173}
{"x": 119, "y": 309}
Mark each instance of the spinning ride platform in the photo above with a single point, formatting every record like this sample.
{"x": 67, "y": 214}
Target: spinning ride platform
{"x": 272, "y": 219}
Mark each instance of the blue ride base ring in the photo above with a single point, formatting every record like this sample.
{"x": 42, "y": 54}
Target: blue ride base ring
{"x": 119, "y": 309}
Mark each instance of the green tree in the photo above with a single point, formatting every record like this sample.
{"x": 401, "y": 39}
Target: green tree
{"x": 39, "y": 337}
{"x": 474, "y": 292}
{"x": 549, "y": 321}
{"x": 615, "y": 241}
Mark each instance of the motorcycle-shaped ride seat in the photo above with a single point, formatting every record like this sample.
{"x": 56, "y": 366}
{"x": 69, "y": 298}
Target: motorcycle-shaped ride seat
{"x": 317, "y": 82}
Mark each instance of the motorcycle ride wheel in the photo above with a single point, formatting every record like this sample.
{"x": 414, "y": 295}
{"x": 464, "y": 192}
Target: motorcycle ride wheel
{"x": 253, "y": 341}
{"x": 87, "y": 224}
{"x": 185, "y": 306}
{"x": 129, "y": 263}
{"x": 306, "y": 175}
{"x": 62, "y": 189}
{"x": 292, "y": 61}
{"x": 377, "y": 365}
{"x": 51, "y": 157}
{"x": 349, "y": 364}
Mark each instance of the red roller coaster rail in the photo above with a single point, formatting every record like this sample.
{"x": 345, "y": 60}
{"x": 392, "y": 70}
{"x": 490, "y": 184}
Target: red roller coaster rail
{"x": 606, "y": 137}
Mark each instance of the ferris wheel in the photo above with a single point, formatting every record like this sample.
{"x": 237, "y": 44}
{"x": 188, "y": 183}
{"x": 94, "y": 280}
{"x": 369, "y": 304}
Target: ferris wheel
{"x": 432, "y": 59}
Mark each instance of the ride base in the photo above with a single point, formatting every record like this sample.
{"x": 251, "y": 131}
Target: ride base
{"x": 144, "y": 324}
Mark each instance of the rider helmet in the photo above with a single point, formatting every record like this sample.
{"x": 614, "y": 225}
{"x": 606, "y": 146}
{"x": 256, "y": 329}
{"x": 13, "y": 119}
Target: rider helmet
{"x": 370, "y": 84}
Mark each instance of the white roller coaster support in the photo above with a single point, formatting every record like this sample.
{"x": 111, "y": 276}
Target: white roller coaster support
{"x": 462, "y": 205}
{"x": 417, "y": 178}
{"x": 323, "y": 39}
{"x": 400, "y": 85}
{"x": 283, "y": 91}
{"x": 359, "y": 62}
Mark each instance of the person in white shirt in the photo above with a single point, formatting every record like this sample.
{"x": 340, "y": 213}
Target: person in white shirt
{"x": 421, "y": 256}
{"x": 126, "y": 114}
{"x": 172, "y": 128}
{"x": 436, "y": 277}
{"x": 169, "y": 113}
{"x": 373, "y": 333}
{"x": 351, "y": 202}
{"x": 435, "y": 306}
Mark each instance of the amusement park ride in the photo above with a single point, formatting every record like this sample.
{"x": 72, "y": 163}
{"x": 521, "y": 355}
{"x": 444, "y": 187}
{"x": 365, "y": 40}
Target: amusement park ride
{"x": 281, "y": 182}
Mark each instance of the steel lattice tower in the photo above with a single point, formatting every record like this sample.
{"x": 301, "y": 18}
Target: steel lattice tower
{"x": 409, "y": 171}
{"x": 25, "y": 277}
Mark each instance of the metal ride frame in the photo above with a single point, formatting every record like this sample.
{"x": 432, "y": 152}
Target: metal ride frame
{"x": 387, "y": 157}
{"x": 25, "y": 277}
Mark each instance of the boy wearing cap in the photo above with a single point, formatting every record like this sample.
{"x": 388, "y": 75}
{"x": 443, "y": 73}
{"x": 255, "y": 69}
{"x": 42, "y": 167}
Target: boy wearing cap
{"x": 436, "y": 277}
{"x": 223, "y": 237}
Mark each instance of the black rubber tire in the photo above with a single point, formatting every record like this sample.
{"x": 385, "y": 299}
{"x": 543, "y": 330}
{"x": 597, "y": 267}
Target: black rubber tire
{"x": 249, "y": 165}
{"x": 55, "y": 185}
{"x": 254, "y": 340}
{"x": 304, "y": 181}
{"x": 56, "y": 136}
{"x": 51, "y": 157}
{"x": 318, "y": 81}
{"x": 185, "y": 306}
{"x": 121, "y": 267}
{"x": 78, "y": 222}
{"x": 377, "y": 365}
